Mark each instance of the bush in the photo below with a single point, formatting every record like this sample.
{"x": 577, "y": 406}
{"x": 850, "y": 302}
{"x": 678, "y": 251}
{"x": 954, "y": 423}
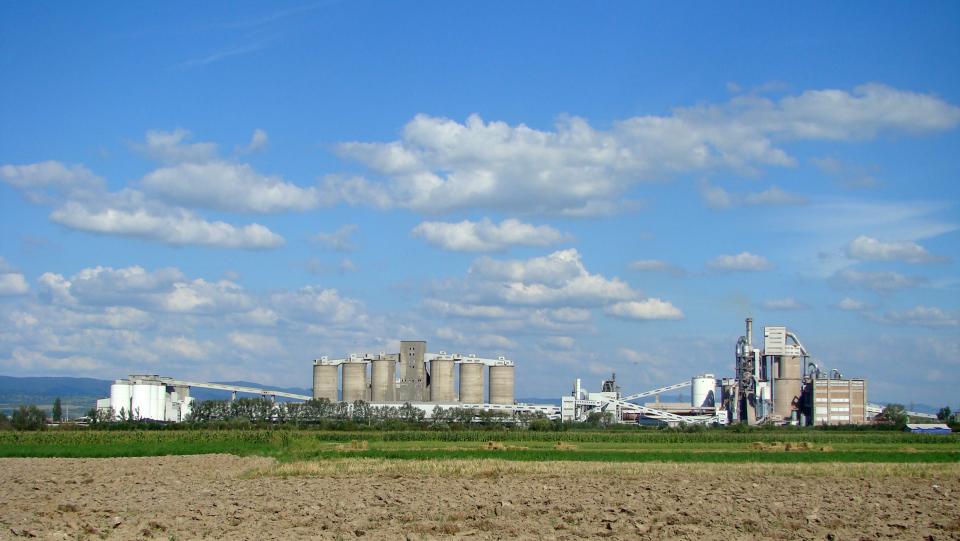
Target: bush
{"x": 29, "y": 418}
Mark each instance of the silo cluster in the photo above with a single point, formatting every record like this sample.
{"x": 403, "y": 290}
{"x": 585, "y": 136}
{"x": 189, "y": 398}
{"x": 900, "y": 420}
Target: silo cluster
{"x": 413, "y": 375}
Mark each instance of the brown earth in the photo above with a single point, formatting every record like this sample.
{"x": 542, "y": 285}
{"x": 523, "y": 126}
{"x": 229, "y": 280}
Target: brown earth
{"x": 217, "y": 496}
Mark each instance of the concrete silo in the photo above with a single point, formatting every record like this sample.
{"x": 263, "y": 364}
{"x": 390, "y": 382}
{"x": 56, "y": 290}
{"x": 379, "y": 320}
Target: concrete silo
{"x": 355, "y": 381}
{"x": 441, "y": 380}
{"x": 383, "y": 374}
{"x": 501, "y": 384}
{"x": 325, "y": 382}
{"x": 471, "y": 383}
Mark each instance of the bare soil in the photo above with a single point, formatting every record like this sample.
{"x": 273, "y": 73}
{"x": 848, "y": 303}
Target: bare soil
{"x": 220, "y": 497}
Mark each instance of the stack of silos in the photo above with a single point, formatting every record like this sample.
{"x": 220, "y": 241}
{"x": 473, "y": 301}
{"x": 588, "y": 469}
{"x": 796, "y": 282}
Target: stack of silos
{"x": 441, "y": 380}
{"x": 501, "y": 384}
{"x": 471, "y": 383}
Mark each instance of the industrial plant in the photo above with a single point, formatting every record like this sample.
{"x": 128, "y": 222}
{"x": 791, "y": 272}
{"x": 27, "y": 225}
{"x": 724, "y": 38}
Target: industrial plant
{"x": 780, "y": 383}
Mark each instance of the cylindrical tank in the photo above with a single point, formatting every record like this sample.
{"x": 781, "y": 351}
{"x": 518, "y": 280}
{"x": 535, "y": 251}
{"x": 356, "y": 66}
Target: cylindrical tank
{"x": 471, "y": 383}
{"x": 145, "y": 401}
{"x": 703, "y": 390}
{"x": 325, "y": 382}
{"x": 355, "y": 381}
{"x": 787, "y": 386}
{"x": 383, "y": 374}
{"x": 441, "y": 380}
{"x": 120, "y": 394}
{"x": 501, "y": 385}
{"x": 790, "y": 367}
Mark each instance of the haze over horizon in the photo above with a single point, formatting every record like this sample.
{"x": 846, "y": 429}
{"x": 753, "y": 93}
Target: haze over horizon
{"x": 227, "y": 191}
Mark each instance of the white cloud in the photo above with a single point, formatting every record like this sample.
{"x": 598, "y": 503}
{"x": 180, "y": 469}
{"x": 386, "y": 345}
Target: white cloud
{"x": 864, "y": 248}
{"x": 181, "y": 347}
{"x": 486, "y": 236}
{"x": 655, "y": 265}
{"x": 171, "y": 146}
{"x": 13, "y": 283}
{"x": 787, "y": 303}
{"x": 559, "y": 278}
{"x": 255, "y": 343}
{"x": 228, "y": 186}
{"x": 744, "y": 261}
{"x": 444, "y": 308}
{"x": 718, "y": 198}
{"x": 440, "y": 165}
{"x": 312, "y": 304}
{"x": 489, "y": 341}
{"x": 258, "y": 141}
{"x": 924, "y": 316}
{"x": 36, "y": 362}
{"x": 883, "y": 282}
{"x": 89, "y": 207}
{"x": 163, "y": 290}
{"x": 646, "y": 310}
{"x": 340, "y": 240}
{"x": 851, "y": 305}
{"x": 559, "y": 342}
{"x": 129, "y": 215}
{"x": 51, "y": 175}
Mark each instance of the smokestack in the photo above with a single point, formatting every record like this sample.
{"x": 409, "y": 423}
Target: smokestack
{"x": 750, "y": 332}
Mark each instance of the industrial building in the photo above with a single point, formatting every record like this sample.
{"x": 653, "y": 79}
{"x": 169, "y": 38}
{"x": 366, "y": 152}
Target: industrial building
{"x": 779, "y": 383}
{"x": 147, "y": 397}
{"x": 413, "y": 375}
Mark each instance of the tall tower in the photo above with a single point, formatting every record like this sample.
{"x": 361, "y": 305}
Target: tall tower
{"x": 413, "y": 374}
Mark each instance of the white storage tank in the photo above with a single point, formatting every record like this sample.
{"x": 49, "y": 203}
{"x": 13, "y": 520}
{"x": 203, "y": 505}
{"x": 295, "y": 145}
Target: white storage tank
{"x": 703, "y": 389}
{"x": 120, "y": 394}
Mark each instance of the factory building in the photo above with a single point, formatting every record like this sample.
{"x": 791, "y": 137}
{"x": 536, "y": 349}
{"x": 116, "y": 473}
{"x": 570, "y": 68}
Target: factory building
{"x": 147, "y": 397}
{"x": 782, "y": 384}
{"x": 416, "y": 376}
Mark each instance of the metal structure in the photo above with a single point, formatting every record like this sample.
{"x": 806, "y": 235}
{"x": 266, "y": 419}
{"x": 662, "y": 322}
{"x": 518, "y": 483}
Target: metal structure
{"x": 610, "y": 403}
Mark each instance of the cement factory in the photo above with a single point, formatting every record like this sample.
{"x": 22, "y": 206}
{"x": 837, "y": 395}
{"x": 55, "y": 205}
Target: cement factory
{"x": 779, "y": 383}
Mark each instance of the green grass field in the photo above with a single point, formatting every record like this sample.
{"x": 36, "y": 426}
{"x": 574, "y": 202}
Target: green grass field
{"x": 584, "y": 446}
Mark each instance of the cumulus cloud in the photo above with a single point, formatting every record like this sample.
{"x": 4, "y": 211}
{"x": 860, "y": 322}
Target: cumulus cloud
{"x": 486, "y": 236}
{"x": 487, "y": 341}
{"x": 558, "y": 278}
{"x": 313, "y": 304}
{"x": 51, "y": 175}
{"x": 129, "y": 214}
{"x": 13, "y": 283}
{"x": 744, "y": 261}
{"x": 786, "y": 303}
{"x": 718, "y": 198}
{"x": 181, "y": 347}
{"x": 340, "y": 240}
{"x": 455, "y": 309}
{"x": 258, "y": 142}
{"x": 655, "y": 265}
{"x": 646, "y": 310}
{"x": 255, "y": 343}
{"x": 864, "y": 248}
{"x": 172, "y": 147}
{"x": 439, "y": 165}
{"x": 923, "y": 316}
{"x": 883, "y": 282}
{"x": 227, "y": 186}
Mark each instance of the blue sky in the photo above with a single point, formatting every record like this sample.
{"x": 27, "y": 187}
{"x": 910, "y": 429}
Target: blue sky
{"x": 229, "y": 190}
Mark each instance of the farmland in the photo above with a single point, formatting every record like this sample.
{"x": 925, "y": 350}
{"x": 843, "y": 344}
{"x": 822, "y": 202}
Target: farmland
{"x": 517, "y": 445}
